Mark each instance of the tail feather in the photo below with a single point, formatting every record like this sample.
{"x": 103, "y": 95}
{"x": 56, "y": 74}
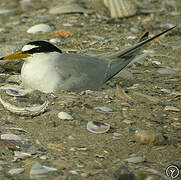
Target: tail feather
{"x": 121, "y": 59}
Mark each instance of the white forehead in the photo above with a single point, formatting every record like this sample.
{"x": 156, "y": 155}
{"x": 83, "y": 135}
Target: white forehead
{"x": 28, "y": 47}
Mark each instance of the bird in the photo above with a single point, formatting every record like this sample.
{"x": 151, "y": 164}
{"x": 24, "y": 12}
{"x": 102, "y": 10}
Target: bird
{"x": 48, "y": 69}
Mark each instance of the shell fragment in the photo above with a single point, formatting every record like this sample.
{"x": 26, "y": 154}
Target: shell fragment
{"x": 25, "y": 111}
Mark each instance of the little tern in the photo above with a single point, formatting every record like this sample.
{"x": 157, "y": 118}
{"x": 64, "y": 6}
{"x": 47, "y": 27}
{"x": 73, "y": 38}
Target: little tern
{"x": 48, "y": 69}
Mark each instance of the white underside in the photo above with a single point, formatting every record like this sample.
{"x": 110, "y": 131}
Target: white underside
{"x": 39, "y": 72}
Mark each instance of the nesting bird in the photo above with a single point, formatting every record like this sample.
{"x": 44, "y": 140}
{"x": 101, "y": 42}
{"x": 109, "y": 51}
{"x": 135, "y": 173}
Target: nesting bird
{"x": 48, "y": 69}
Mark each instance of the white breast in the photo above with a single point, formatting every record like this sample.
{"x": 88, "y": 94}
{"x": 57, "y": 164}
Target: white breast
{"x": 39, "y": 72}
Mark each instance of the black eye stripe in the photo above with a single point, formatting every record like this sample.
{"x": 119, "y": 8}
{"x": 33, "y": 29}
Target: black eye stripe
{"x": 42, "y": 46}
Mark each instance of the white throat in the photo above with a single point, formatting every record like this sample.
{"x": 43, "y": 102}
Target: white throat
{"x": 39, "y": 72}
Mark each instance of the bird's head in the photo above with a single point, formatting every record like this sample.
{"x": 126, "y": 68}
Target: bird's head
{"x": 32, "y": 48}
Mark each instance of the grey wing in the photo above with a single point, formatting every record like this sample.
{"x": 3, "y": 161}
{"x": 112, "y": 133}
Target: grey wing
{"x": 78, "y": 73}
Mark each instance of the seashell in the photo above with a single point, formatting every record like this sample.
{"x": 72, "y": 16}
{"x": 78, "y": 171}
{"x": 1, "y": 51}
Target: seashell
{"x": 64, "y": 8}
{"x": 120, "y": 8}
{"x": 135, "y": 160}
{"x": 103, "y": 108}
{"x": 11, "y": 137}
{"x": 65, "y": 116}
{"x": 22, "y": 155}
{"x": 16, "y": 171}
{"x": 55, "y": 41}
{"x": 5, "y": 11}
{"x": 171, "y": 108}
{"x": 25, "y": 111}
{"x": 14, "y": 79}
{"x": 150, "y": 138}
{"x": 14, "y": 90}
{"x": 37, "y": 170}
{"x": 166, "y": 71}
{"x": 44, "y": 28}
{"x": 97, "y": 127}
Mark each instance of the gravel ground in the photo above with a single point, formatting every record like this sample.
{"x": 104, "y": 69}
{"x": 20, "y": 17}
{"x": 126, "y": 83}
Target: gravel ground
{"x": 144, "y": 96}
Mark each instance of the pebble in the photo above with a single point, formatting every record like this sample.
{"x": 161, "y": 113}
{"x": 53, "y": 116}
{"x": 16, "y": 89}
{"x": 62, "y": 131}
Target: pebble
{"x": 123, "y": 173}
{"x": 5, "y": 11}
{"x": 1, "y": 168}
{"x": 117, "y": 134}
{"x": 11, "y": 137}
{"x": 55, "y": 41}
{"x": 65, "y": 116}
{"x": 147, "y": 97}
{"x": 44, "y": 157}
{"x": 166, "y": 71}
{"x": 171, "y": 108}
{"x": 16, "y": 171}
{"x": 156, "y": 62}
{"x": 128, "y": 121}
{"x": 67, "y": 25}
{"x": 22, "y": 155}
{"x": 3, "y": 163}
{"x": 149, "y": 138}
{"x": 84, "y": 175}
{"x": 103, "y": 108}
{"x": 61, "y": 164}
{"x": 73, "y": 172}
{"x": 166, "y": 91}
{"x": 135, "y": 160}
{"x": 44, "y": 28}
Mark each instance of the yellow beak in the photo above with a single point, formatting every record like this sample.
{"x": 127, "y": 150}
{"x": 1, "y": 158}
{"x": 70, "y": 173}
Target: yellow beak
{"x": 18, "y": 55}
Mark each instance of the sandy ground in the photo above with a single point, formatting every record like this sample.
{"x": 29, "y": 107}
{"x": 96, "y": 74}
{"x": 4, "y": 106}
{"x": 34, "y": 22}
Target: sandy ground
{"x": 140, "y": 94}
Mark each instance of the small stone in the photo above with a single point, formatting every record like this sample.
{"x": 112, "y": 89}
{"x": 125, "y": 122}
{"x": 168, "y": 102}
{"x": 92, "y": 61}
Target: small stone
{"x": 135, "y": 160}
{"x": 156, "y": 62}
{"x": 44, "y": 28}
{"x": 65, "y": 116}
{"x": 61, "y": 164}
{"x": 5, "y": 11}
{"x": 73, "y": 172}
{"x": 123, "y": 173}
{"x": 171, "y": 108}
{"x": 150, "y": 138}
{"x": 1, "y": 168}
{"x": 128, "y": 121}
{"x": 16, "y": 171}
{"x": 166, "y": 91}
{"x": 55, "y": 41}
{"x": 44, "y": 157}
{"x": 166, "y": 71}
{"x": 11, "y": 137}
{"x": 117, "y": 134}
{"x": 22, "y": 155}
{"x": 84, "y": 175}
{"x": 67, "y": 25}
{"x": 103, "y": 108}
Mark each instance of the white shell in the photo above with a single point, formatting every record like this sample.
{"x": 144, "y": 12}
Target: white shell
{"x": 14, "y": 90}
{"x": 38, "y": 170}
{"x": 97, "y": 127}
{"x": 103, "y": 108}
{"x": 25, "y": 111}
{"x": 16, "y": 171}
{"x": 44, "y": 28}
{"x": 11, "y": 137}
{"x": 65, "y": 116}
{"x": 55, "y": 41}
{"x": 137, "y": 159}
